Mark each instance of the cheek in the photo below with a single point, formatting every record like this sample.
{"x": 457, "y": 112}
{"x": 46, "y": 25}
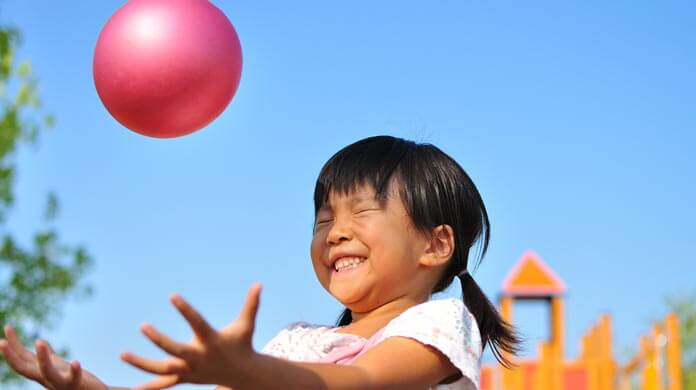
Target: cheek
{"x": 316, "y": 252}
{"x": 369, "y": 232}
{"x": 316, "y": 248}
{"x": 394, "y": 245}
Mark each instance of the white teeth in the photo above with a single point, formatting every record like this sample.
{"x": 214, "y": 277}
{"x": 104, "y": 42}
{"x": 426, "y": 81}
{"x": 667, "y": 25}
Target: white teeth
{"x": 348, "y": 263}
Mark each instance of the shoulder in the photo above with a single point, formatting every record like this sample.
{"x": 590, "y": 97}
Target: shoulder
{"x": 292, "y": 339}
{"x": 450, "y": 315}
{"x": 298, "y": 331}
{"x": 448, "y": 307}
{"x": 445, "y": 325}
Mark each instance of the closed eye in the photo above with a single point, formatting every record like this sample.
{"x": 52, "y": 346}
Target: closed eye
{"x": 323, "y": 221}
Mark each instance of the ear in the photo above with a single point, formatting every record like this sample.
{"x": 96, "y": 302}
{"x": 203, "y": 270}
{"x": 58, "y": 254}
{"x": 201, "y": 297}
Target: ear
{"x": 440, "y": 246}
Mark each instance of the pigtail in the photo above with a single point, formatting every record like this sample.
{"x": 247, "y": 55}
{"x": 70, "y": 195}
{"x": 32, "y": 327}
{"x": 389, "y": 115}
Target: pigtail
{"x": 345, "y": 318}
{"x": 495, "y": 332}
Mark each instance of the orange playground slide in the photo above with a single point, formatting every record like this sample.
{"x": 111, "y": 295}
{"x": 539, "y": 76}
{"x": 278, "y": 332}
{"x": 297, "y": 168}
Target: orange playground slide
{"x": 657, "y": 365}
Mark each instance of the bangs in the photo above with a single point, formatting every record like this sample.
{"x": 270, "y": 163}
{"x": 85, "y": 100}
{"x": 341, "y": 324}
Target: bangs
{"x": 371, "y": 162}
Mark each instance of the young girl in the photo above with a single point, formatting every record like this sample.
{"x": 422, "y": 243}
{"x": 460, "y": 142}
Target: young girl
{"x": 394, "y": 223}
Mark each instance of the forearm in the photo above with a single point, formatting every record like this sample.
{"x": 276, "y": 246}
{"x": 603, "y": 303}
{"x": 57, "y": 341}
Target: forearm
{"x": 267, "y": 372}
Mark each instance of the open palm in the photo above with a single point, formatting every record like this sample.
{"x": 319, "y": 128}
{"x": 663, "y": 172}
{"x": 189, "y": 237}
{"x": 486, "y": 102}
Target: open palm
{"x": 45, "y": 366}
{"x": 211, "y": 357}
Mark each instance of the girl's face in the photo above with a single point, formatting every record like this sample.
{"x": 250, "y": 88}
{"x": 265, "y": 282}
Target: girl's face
{"x": 365, "y": 253}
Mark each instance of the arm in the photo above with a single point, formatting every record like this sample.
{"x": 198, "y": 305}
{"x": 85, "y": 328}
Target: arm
{"x": 226, "y": 358}
{"x": 396, "y": 363}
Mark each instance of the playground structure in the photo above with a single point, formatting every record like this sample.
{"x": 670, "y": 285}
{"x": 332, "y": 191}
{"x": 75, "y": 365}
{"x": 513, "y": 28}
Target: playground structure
{"x": 656, "y": 366}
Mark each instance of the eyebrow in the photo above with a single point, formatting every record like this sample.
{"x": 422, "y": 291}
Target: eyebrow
{"x": 353, "y": 200}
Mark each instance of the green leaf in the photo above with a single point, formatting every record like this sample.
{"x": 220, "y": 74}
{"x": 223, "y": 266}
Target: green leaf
{"x": 24, "y": 70}
{"x": 52, "y": 207}
{"x": 35, "y": 278}
{"x": 49, "y": 121}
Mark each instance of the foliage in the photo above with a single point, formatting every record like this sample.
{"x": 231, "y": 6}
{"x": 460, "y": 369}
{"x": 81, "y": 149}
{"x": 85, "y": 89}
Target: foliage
{"x": 35, "y": 278}
{"x": 684, "y": 307}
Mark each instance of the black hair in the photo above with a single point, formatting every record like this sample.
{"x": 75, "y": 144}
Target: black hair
{"x": 436, "y": 191}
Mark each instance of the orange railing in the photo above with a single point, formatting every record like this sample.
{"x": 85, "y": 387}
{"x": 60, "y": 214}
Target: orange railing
{"x": 655, "y": 367}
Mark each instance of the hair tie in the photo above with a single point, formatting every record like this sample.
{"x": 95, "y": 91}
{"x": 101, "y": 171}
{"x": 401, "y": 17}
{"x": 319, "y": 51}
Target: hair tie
{"x": 463, "y": 273}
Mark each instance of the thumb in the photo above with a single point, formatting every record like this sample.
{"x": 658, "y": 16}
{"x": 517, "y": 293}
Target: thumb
{"x": 251, "y": 307}
{"x": 75, "y": 375}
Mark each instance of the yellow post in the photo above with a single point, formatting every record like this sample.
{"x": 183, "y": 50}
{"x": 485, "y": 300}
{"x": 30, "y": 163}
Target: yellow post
{"x": 673, "y": 352}
{"x": 506, "y": 309}
{"x": 593, "y": 366}
{"x": 589, "y": 358}
{"x": 606, "y": 363}
{"x": 511, "y": 378}
{"x": 543, "y": 378}
{"x": 650, "y": 365}
{"x": 659, "y": 341}
{"x": 557, "y": 343}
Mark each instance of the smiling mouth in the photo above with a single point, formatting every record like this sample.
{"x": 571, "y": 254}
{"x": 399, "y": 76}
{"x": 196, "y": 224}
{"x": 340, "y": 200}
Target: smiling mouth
{"x": 348, "y": 263}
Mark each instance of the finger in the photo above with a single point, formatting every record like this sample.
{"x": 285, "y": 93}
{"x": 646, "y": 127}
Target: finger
{"x": 50, "y": 349}
{"x": 199, "y": 325}
{"x": 20, "y": 350}
{"x": 251, "y": 307}
{"x": 29, "y": 370}
{"x": 55, "y": 359}
{"x": 161, "y": 382}
{"x": 75, "y": 374}
{"x": 166, "y": 343}
{"x": 172, "y": 366}
{"x": 48, "y": 370}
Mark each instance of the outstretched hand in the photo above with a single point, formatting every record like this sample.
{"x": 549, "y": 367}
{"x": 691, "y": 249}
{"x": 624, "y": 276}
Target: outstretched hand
{"x": 211, "y": 357}
{"x": 45, "y": 367}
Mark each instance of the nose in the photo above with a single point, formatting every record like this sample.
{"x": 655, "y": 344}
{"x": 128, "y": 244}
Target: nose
{"x": 340, "y": 231}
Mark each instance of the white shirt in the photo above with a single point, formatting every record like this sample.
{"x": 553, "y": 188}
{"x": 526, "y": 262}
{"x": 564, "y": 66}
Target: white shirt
{"x": 446, "y": 325}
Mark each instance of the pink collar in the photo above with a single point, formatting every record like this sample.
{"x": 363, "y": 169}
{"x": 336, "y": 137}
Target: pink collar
{"x": 349, "y": 353}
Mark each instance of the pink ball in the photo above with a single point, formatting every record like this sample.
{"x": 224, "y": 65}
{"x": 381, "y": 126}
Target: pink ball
{"x": 166, "y": 68}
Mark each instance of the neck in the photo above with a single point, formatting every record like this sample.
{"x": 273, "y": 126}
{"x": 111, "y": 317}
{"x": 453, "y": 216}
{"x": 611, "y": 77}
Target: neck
{"x": 367, "y": 323}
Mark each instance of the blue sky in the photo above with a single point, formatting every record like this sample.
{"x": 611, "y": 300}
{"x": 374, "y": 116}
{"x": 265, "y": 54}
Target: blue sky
{"x": 575, "y": 119}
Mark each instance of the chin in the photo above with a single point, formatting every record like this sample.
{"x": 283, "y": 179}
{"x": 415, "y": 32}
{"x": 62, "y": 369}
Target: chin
{"x": 347, "y": 298}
